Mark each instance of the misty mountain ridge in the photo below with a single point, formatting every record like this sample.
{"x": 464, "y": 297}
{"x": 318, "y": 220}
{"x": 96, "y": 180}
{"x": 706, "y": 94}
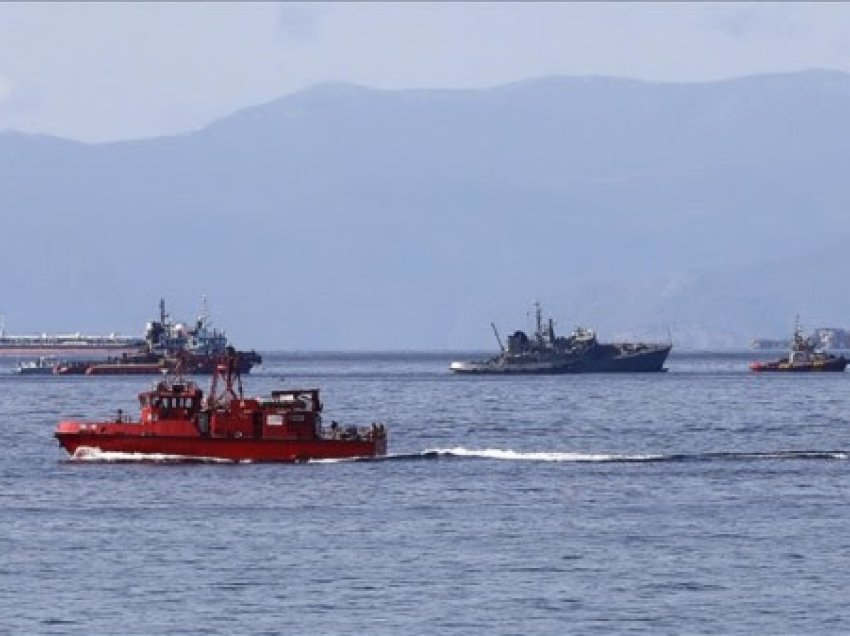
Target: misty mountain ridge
{"x": 343, "y": 217}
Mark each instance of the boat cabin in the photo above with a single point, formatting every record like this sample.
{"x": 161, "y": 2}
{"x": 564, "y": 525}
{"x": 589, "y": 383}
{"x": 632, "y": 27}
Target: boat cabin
{"x": 800, "y": 357}
{"x": 180, "y": 408}
{"x": 291, "y": 414}
{"x": 171, "y": 401}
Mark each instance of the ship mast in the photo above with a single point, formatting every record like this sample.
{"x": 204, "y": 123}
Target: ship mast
{"x": 538, "y": 313}
{"x": 203, "y": 319}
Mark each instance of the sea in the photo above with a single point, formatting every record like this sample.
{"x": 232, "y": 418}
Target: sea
{"x": 704, "y": 500}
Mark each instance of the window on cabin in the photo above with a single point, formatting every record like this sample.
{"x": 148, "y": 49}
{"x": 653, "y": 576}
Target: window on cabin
{"x": 274, "y": 420}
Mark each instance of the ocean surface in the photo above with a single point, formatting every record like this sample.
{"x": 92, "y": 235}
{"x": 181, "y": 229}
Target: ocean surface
{"x": 702, "y": 500}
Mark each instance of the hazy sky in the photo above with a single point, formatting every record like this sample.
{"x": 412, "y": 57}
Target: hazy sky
{"x": 105, "y": 71}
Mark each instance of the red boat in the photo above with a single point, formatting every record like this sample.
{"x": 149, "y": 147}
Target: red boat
{"x": 178, "y": 420}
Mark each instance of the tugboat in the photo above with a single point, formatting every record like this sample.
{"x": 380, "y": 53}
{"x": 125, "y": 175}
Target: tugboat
{"x": 581, "y": 352}
{"x": 804, "y": 356}
{"x": 199, "y": 348}
{"x": 178, "y": 420}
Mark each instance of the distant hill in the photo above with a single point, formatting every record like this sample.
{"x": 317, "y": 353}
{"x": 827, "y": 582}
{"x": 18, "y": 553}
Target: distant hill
{"x": 353, "y": 218}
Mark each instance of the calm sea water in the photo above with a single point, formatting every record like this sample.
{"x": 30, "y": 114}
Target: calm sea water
{"x": 703, "y": 500}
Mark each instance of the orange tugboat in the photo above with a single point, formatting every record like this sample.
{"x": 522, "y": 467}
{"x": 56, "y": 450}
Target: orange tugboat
{"x": 804, "y": 356}
{"x": 178, "y": 420}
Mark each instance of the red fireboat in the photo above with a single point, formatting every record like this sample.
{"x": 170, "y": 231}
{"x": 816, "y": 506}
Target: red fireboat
{"x": 177, "y": 420}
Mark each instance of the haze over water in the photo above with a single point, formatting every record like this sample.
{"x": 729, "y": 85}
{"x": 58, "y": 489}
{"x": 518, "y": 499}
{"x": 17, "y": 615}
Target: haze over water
{"x": 703, "y": 500}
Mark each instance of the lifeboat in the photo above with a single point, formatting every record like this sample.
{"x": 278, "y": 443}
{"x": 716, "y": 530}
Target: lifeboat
{"x": 177, "y": 419}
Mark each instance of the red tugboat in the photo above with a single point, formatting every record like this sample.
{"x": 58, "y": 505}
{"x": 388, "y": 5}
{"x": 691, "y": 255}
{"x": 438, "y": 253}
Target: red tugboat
{"x": 804, "y": 356}
{"x": 176, "y": 419}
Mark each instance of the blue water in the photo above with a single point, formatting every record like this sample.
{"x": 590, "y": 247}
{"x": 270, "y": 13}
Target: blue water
{"x": 703, "y": 500}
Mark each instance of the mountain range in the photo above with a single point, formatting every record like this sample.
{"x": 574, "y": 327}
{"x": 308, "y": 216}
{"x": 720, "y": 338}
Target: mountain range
{"x": 345, "y": 217}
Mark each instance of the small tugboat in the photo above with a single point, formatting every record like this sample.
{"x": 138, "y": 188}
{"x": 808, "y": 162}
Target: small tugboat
{"x": 581, "y": 352}
{"x": 178, "y": 420}
{"x": 804, "y": 356}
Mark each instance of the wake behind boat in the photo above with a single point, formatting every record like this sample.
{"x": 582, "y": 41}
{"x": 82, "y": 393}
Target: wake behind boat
{"x": 580, "y": 352}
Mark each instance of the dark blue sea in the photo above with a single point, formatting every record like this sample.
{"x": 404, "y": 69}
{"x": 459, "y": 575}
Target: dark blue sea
{"x": 705, "y": 500}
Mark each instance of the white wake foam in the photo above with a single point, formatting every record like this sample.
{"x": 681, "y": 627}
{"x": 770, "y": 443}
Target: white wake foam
{"x": 511, "y": 455}
{"x": 90, "y": 454}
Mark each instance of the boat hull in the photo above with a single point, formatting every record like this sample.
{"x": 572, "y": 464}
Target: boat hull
{"x": 152, "y": 365}
{"x": 835, "y": 365}
{"x": 645, "y": 361}
{"x": 234, "y": 449}
{"x": 126, "y": 369}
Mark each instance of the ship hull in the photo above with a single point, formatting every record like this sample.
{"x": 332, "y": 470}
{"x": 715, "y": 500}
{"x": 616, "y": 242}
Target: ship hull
{"x": 604, "y": 361}
{"x": 233, "y": 449}
{"x": 125, "y": 369}
{"x": 152, "y": 365}
{"x": 46, "y": 347}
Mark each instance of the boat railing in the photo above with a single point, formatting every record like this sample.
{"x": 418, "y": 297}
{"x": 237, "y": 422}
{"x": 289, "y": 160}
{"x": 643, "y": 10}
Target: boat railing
{"x": 336, "y": 431}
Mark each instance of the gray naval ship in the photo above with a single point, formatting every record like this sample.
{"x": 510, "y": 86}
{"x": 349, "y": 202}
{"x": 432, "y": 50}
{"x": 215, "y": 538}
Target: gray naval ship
{"x": 580, "y": 352}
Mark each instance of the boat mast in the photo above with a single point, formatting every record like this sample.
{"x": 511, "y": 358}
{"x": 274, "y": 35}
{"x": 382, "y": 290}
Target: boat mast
{"x": 228, "y": 371}
{"x": 798, "y": 335}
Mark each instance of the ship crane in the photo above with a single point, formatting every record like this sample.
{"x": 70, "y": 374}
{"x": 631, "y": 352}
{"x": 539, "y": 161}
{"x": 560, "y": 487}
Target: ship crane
{"x": 498, "y": 339}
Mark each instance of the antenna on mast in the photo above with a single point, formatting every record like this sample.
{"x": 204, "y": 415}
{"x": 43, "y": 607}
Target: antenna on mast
{"x": 538, "y": 313}
{"x": 204, "y": 318}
